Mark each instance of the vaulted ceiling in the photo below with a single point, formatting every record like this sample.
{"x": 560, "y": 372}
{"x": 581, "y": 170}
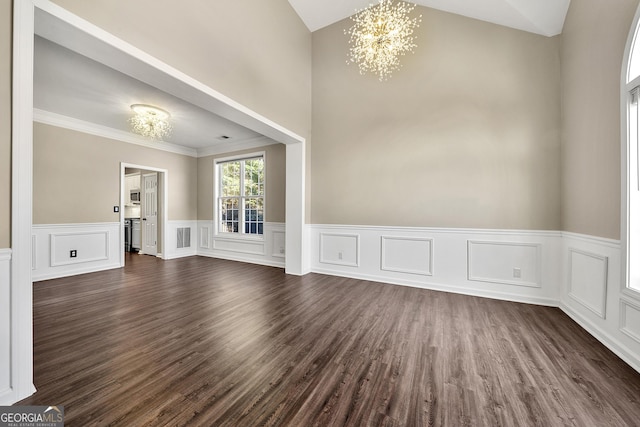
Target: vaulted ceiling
{"x": 545, "y": 17}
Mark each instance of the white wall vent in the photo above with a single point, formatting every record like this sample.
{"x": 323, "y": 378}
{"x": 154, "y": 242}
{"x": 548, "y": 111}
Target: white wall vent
{"x": 184, "y": 237}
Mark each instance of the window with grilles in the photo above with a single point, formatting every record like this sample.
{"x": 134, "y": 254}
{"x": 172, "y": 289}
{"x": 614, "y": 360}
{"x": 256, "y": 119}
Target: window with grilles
{"x": 241, "y": 196}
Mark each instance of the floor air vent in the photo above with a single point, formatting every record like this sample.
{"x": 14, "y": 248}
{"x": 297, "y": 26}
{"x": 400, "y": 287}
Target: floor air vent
{"x": 184, "y": 237}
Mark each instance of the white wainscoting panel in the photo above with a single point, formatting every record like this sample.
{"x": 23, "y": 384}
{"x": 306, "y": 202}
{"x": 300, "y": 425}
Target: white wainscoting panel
{"x": 205, "y": 237}
{"x": 437, "y": 258}
{"x": 5, "y": 323}
{"x": 248, "y": 246}
{"x": 97, "y": 245}
{"x": 172, "y": 250}
{"x": 508, "y": 263}
{"x": 630, "y": 319}
{"x": 278, "y": 244}
{"x": 413, "y": 255}
{"x": 89, "y": 246}
{"x": 267, "y": 250}
{"x": 588, "y": 280}
{"x": 592, "y": 294}
{"x": 339, "y": 249}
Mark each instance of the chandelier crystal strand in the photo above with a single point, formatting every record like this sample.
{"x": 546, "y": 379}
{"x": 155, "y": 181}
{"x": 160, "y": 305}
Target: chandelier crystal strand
{"x": 151, "y": 122}
{"x": 380, "y": 35}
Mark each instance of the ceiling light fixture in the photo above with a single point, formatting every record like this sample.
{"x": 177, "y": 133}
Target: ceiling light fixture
{"x": 151, "y": 122}
{"x": 380, "y": 35}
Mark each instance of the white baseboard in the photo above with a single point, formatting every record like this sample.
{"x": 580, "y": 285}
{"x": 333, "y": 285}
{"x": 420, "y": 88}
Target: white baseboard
{"x": 6, "y": 390}
{"x": 609, "y": 340}
{"x": 549, "y": 302}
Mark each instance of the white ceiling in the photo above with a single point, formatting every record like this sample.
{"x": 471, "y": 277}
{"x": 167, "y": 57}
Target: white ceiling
{"x": 73, "y": 86}
{"x": 545, "y": 17}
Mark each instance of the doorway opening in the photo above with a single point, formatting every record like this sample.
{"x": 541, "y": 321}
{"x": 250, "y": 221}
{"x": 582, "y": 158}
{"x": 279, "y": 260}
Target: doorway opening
{"x": 143, "y": 207}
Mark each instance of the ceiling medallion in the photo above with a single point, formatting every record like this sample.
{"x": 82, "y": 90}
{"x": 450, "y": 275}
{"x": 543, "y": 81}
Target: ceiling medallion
{"x": 151, "y": 122}
{"x": 380, "y": 35}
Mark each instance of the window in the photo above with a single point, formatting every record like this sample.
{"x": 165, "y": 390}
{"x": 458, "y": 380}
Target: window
{"x": 631, "y": 173}
{"x": 241, "y": 196}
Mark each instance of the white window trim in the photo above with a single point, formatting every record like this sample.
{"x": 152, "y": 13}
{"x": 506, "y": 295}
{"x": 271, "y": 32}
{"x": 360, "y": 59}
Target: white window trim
{"x": 216, "y": 194}
{"x": 630, "y": 163}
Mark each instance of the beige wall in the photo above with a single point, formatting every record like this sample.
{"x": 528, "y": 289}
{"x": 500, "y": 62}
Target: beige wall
{"x": 593, "y": 41}
{"x": 256, "y": 52}
{"x": 274, "y": 175}
{"x": 77, "y": 177}
{"x": 5, "y": 123}
{"x": 466, "y": 134}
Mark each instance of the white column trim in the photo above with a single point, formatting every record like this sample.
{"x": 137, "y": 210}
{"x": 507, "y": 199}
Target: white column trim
{"x": 21, "y": 202}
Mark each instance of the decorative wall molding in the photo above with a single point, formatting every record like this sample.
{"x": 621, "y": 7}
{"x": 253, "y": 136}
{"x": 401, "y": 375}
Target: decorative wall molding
{"x": 98, "y": 247}
{"x": 508, "y": 263}
{"x": 89, "y": 247}
{"x": 278, "y": 243}
{"x": 595, "y": 240}
{"x": 588, "y": 280}
{"x": 435, "y": 258}
{"x": 267, "y": 250}
{"x": 242, "y": 246}
{"x": 630, "y": 319}
{"x": 340, "y": 249}
{"x": 205, "y": 233}
{"x": 413, "y": 255}
{"x": 5, "y": 254}
{"x": 600, "y": 307}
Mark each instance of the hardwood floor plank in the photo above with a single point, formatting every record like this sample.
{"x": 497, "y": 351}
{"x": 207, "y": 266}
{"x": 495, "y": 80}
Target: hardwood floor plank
{"x": 205, "y": 342}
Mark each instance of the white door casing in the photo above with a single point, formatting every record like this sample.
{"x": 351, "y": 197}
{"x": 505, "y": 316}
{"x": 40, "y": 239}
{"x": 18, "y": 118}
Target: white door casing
{"x": 150, "y": 214}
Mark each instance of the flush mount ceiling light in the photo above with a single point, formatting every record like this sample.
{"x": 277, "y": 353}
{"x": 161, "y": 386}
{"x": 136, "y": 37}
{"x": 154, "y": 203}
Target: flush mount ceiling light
{"x": 380, "y": 35}
{"x": 151, "y": 122}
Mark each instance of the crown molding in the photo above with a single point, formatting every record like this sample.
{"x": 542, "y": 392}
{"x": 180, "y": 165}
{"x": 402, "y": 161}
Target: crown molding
{"x": 66, "y": 122}
{"x": 54, "y": 119}
{"x": 242, "y": 144}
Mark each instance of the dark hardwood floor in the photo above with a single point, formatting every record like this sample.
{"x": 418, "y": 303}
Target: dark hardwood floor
{"x": 205, "y": 342}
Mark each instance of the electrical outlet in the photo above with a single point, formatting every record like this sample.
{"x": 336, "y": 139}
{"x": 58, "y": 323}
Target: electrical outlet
{"x": 339, "y": 255}
{"x": 517, "y": 273}
{"x": 282, "y": 251}
{"x": 116, "y": 209}
{"x": 73, "y": 253}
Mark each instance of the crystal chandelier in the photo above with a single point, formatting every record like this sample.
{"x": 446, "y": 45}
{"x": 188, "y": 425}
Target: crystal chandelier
{"x": 380, "y": 35}
{"x": 149, "y": 121}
